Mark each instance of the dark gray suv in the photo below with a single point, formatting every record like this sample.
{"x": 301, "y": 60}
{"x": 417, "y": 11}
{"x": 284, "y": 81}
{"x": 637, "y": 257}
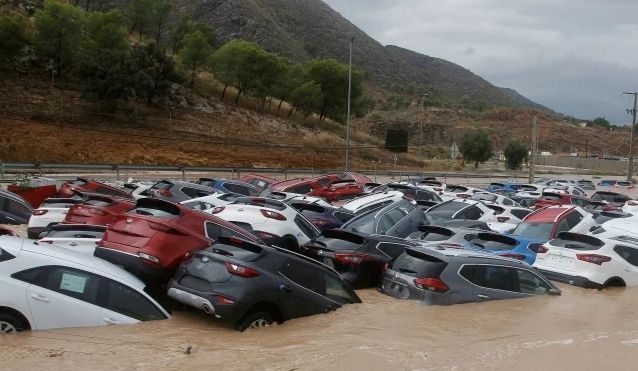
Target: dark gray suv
{"x": 398, "y": 219}
{"x": 450, "y": 276}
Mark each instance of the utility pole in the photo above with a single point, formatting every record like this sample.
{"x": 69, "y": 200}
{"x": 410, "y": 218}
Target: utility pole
{"x": 533, "y": 150}
{"x": 630, "y": 170}
{"x": 348, "y": 118}
{"x": 422, "y": 119}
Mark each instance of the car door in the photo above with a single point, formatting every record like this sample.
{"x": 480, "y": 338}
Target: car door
{"x": 302, "y": 290}
{"x": 492, "y": 282}
{"x": 629, "y": 263}
{"x": 62, "y": 297}
{"x": 124, "y": 305}
{"x": 14, "y": 212}
{"x": 406, "y": 219}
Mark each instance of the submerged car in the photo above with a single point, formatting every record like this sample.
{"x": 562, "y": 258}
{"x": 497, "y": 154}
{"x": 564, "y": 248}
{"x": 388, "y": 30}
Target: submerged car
{"x": 398, "y": 219}
{"x": 513, "y": 247}
{"x": 452, "y": 276}
{"x": 51, "y": 212}
{"x": 547, "y": 223}
{"x": 229, "y": 186}
{"x": 323, "y": 217}
{"x": 251, "y": 285}
{"x": 97, "y": 210}
{"x": 14, "y": 209}
{"x": 69, "y": 189}
{"x": 358, "y": 257}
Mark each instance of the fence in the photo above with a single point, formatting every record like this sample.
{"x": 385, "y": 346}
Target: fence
{"x": 583, "y": 163}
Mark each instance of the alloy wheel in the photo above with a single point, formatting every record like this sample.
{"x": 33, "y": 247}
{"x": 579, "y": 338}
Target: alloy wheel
{"x": 258, "y": 323}
{"x": 7, "y": 328}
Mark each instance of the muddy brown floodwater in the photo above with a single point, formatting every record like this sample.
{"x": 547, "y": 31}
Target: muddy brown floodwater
{"x": 580, "y": 330}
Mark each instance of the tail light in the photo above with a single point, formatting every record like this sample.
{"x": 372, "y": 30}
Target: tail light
{"x": 320, "y": 222}
{"x": 258, "y": 200}
{"x": 630, "y": 203}
{"x": 264, "y": 235}
{"x": 431, "y": 284}
{"x": 462, "y": 195}
{"x": 149, "y": 259}
{"x": 225, "y": 300}
{"x": 97, "y": 212}
{"x": 385, "y": 267}
{"x": 513, "y": 256}
{"x": 164, "y": 192}
{"x": 503, "y": 219}
{"x": 40, "y": 212}
{"x": 593, "y": 258}
{"x": 409, "y": 196}
{"x": 240, "y": 271}
{"x": 542, "y": 250}
{"x": 272, "y": 215}
{"x": 218, "y": 210}
{"x": 355, "y": 259}
{"x": 438, "y": 189}
{"x": 165, "y": 228}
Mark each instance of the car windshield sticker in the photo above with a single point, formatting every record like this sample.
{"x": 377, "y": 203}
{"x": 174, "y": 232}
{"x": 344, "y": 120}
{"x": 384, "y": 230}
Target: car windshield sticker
{"x": 71, "y": 282}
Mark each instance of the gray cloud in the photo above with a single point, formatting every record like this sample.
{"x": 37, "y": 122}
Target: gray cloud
{"x": 575, "y": 56}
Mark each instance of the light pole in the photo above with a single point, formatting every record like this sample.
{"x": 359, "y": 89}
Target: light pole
{"x": 422, "y": 119}
{"x": 348, "y": 118}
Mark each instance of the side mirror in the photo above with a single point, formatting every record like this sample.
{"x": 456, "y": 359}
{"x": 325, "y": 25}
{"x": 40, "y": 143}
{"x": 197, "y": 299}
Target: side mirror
{"x": 42, "y": 235}
{"x": 554, "y": 292}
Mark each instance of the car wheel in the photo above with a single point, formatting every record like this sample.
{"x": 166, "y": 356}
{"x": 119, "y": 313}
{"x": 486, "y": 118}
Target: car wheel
{"x": 10, "y": 324}
{"x": 255, "y": 320}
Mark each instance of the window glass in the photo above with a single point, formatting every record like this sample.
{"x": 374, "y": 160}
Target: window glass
{"x": 324, "y": 181}
{"x": 34, "y": 276}
{"x": 374, "y": 207}
{"x": 530, "y": 283}
{"x": 385, "y": 224}
{"x": 126, "y": 301}
{"x": 428, "y": 196}
{"x": 213, "y": 231}
{"x": 471, "y": 213}
{"x": 418, "y": 265}
{"x": 573, "y": 219}
{"x": 15, "y": 208}
{"x": 112, "y": 192}
{"x": 562, "y": 226}
{"x": 629, "y": 254}
{"x": 489, "y": 276}
{"x": 305, "y": 276}
{"x": 306, "y": 227}
{"x": 195, "y": 193}
{"x": 521, "y": 214}
{"x": 199, "y": 205}
{"x": 302, "y": 189}
{"x": 391, "y": 249}
{"x": 337, "y": 291}
{"x": 74, "y": 283}
{"x": 534, "y": 230}
{"x": 508, "y": 202}
{"x": 469, "y": 237}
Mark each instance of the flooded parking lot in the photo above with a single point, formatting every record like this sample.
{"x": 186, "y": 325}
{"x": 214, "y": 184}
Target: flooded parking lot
{"x": 580, "y": 330}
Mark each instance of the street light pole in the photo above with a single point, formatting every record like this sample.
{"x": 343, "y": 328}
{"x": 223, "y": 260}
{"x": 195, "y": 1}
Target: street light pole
{"x": 348, "y": 118}
{"x": 630, "y": 170}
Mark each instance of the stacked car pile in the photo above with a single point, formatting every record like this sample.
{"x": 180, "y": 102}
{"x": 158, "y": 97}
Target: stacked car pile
{"x": 258, "y": 251}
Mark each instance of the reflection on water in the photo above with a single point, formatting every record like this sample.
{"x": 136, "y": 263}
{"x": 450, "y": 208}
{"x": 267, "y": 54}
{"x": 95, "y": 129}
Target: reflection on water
{"x": 581, "y": 330}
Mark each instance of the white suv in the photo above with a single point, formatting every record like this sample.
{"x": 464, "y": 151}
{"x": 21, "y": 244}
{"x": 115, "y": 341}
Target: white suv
{"x": 462, "y": 209}
{"x": 82, "y": 238}
{"x": 51, "y": 212}
{"x": 607, "y": 257}
{"x": 373, "y": 201}
{"x": 272, "y": 221}
{"x": 46, "y": 287}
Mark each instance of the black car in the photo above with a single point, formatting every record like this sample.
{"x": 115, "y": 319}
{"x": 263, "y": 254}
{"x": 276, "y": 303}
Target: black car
{"x": 398, "y": 219}
{"x": 358, "y": 257}
{"x": 14, "y": 209}
{"x": 250, "y": 285}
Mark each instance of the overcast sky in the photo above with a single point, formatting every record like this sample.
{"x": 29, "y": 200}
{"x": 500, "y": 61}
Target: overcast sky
{"x": 574, "y": 56}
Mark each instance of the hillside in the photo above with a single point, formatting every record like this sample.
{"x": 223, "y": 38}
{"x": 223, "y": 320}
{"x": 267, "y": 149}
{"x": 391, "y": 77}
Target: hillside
{"x": 302, "y": 30}
{"x": 524, "y": 101}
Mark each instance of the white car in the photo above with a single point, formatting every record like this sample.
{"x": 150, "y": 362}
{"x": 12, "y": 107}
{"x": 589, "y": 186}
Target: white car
{"x": 432, "y": 185}
{"x": 456, "y": 191}
{"x": 137, "y": 190}
{"x": 273, "y": 221}
{"x": 566, "y": 190}
{"x": 531, "y": 190}
{"x": 82, "y": 238}
{"x": 211, "y": 201}
{"x": 507, "y": 217}
{"x": 51, "y": 212}
{"x": 609, "y": 258}
{"x": 631, "y": 207}
{"x": 373, "y": 201}
{"x": 493, "y": 199}
{"x": 462, "y": 209}
{"x": 47, "y": 287}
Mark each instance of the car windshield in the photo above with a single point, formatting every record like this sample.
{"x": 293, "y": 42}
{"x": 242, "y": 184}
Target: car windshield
{"x": 484, "y": 197}
{"x": 436, "y": 217}
{"x": 541, "y": 231}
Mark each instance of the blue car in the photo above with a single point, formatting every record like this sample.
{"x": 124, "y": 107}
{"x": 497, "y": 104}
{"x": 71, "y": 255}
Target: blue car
{"x": 503, "y": 187}
{"x": 515, "y": 247}
{"x": 230, "y": 186}
{"x": 323, "y": 217}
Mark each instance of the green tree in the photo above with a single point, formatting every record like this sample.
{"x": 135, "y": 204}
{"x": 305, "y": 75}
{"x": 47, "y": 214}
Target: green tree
{"x": 292, "y": 77}
{"x": 15, "y": 40}
{"x": 515, "y": 154}
{"x": 157, "y": 71}
{"x": 59, "y": 33}
{"x": 177, "y": 32}
{"x": 139, "y": 15}
{"x": 108, "y": 75}
{"x": 106, "y": 30}
{"x": 306, "y": 98}
{"x": 161, "y": 11}
{"x": 195, "y": 53}
{"x": 476, "y": 147}
{"x": 333, "y": 78}
{"x": 269, "y": 69}
{"x": 207, "y": 30}
{"x": 240, "y": 63}
{"x": 600, "y": 121}
{"x": 363, "y": 105}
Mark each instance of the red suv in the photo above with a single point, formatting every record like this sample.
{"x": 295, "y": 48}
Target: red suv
{"x": 554, "y": 199}
{"x": 68, "y": 189}
{"x": 322, "y": 186}
{"x": 153, "y": 238}
{"x": 258, "y": 181}
{"x": 97, "y": 210}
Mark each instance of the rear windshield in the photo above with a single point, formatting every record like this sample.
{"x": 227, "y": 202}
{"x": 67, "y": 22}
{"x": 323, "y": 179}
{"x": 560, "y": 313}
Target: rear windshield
{"x": 162, "y": 185}
{"x": 248, "y": 252}
{"x": 494, "y": 242}
{"x": 585, "y": 182}
{"x": 419, "y": 265}
{"x": 455, "y": 189}
{"x": 158, "y": 209}
{"x": 527, "y": 188}
{"x": 343, "y": 216}
{"x": 78, "y": 183}
{"x": 431, "y": 183}
{"x": 436, "y": 217}
{"x": 497, "y": 185}
{"x": 75, "y": 234}
{"x": 337, "y": 240}
{"x": 484, "y": 197}
{"x": 609, "y": 197}
{"x": 515, "y": 187}
{"x": 542, "y": 231}
{"x": 550, "y": 197}
{"x": 450, "y": 206}
{"x": 58, "y": 205}
{"x": 624, "y": 184}
{"x": 433, "y": 234}
{"x": 577, "y": 241}
{"x": 207, "y": 182}
{"x": 99, "y": 203}
{"x": 497, "y": 209}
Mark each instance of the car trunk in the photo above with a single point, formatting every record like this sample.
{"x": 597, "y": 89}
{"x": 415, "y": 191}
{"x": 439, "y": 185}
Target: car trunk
{"x": 332, "y": 243}
{"x": 134, "y": 231}
{"x": 496, "y": 244}
{"x": 565, "y": 249}
{"x": 410, "y": 266}
{"x": 87, "y": 214}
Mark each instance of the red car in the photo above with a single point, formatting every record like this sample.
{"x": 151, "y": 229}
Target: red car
{"x": 321, "y": 186}
{"x": 258, "y": 181}
{"x": 547, "y": 223}
{"x": 68, "y": 189}
{"x": 354, "y": 177}
{"x": 554, "y": 199}
{"x": 153, "y": 238}
{"x": 97, "y": 210}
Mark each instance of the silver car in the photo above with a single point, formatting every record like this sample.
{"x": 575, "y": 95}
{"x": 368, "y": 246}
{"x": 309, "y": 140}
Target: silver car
{"x": 434, "y": 235}
{"x": 450, "y": 276}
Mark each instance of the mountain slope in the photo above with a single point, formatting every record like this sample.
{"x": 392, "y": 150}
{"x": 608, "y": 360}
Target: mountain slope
{"x": 525, "y": 102}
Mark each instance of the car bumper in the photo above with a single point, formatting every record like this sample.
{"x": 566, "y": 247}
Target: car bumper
{"x": 130, "y": 262}
{"x": 33, "y": 233}
{"x": 570, "y": 279}
{"x": 207, "y": 302}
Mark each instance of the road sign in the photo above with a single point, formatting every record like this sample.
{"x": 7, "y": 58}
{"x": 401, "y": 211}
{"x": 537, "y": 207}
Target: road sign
{"x": 454, "y": 151}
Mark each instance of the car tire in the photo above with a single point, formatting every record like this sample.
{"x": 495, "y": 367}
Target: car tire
{"x": 291, "y": 244}
{"x": 256, "y": 319}
{"x": 10, "y": 324}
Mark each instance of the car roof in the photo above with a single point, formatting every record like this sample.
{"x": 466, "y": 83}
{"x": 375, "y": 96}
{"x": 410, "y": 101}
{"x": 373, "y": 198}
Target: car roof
{"x": 85, "y": 260}
{"x": 548, "y": 214}
{"x": 364, "y": 200}
{"x": 290, "y": 182}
